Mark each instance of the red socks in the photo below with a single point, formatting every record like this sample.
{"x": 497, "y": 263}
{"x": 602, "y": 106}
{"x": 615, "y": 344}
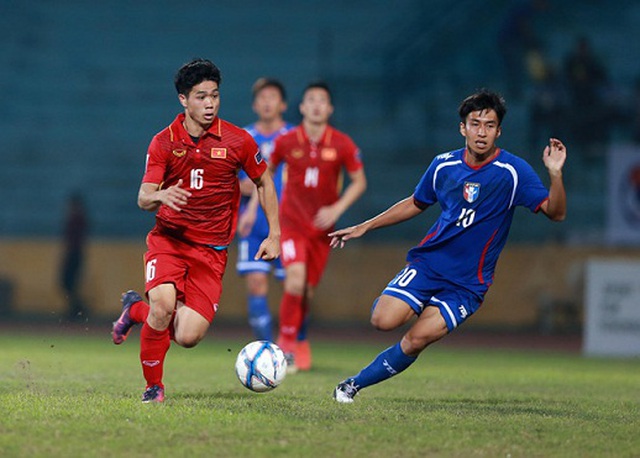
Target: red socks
{"x": 153, "y": 349}
{"x": 139, "y": 312}
{"x": 291, "y": 315}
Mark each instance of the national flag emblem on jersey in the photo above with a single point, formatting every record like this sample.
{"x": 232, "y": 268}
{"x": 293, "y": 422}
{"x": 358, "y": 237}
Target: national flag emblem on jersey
{"x": 471, "y": 191}
{"x": 329, "y": 154}
{"x": 218, "y": 153}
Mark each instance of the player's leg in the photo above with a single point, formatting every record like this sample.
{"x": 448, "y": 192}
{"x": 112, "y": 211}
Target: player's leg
{"x": 190, "y": 327}
{"x": 317, "y": 256}
{"x": 429, "y": 328}
{"x": 437, "y": 317}
{"x": 388, "y": 313}
{"x": 197, "y": 302}
{"x": 291, "y": 307}
{"x": 155, "y": 340}
{"x": 258, "y": 305}
{"x": 257, "y": 280}
{"x": 303, "y": 347}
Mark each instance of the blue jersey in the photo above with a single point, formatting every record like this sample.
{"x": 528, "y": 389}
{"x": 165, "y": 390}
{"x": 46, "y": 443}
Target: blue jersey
{"x": 478, "y": 204}
{"x": 266, "y": 143}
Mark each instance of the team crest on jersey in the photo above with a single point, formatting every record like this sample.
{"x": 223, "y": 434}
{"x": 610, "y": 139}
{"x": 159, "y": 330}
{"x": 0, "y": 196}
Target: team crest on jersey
{"x": 329, "y": 154}
{"x": 297, "y": 153}
{"x": 258, "y": 157}
{"x": 218, "y": 153}
{"x": 179, "y": 152}
{"x": 471, "y": 191}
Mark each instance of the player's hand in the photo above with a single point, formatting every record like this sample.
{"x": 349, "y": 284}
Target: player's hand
{"x": 326, "y": 217}
{"x": 269, "y": 249}
{"x": 339, "y": 237}
{"x": 554, "y": 155}
{"x": 174, "y": 196}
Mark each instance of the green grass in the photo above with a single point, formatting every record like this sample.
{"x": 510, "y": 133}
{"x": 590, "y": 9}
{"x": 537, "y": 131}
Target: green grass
{"x": 78, "y": 395}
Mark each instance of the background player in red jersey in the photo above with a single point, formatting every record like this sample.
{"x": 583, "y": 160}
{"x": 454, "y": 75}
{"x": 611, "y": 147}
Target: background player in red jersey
{"x": 315, "y": 155}
{"x": 191, "y": 181}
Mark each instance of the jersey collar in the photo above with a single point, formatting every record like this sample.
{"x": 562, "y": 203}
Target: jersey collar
{"x": 178, "y": 132}
{"x": 303, "y": 138}
{"x": 492, "y": 158}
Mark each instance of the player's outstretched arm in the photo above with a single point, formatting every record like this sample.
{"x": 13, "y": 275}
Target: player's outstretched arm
{"x": 270, "y": 247}
{"x": 554, "y": 156}
{"x": 400, "y": 211}
{"x": 327, "y": 216}
{"x": 150, "y": 196}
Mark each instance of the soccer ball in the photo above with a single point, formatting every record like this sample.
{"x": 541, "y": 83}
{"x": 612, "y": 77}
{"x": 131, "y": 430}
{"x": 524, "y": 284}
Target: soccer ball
{"x": 261, "y": 366}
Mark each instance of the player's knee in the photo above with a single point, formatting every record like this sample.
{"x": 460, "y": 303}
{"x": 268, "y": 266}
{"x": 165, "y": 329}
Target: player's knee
{"x": 188, "y": 339}
{"x": 295, "y": 287}
{"x": 257, "y": 284}
{"x": 160, "y": 314}
{"x": 382, "y": 322}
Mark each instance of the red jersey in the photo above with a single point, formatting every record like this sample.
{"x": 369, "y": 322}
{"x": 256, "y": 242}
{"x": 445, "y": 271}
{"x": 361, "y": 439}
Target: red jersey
{"x": 209, "y": 171}
{"x": 313, "y": 174}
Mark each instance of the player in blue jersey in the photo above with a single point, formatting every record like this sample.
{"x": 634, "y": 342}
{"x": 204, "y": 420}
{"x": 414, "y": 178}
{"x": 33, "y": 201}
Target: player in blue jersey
{"x": 269, "y": 104}
{"x": 448, "y": 273}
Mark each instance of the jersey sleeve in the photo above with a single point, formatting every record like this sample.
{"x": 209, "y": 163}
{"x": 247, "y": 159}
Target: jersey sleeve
{"x": 155, "y": 166}
{"x": 277, "y": 155}
{"x": 352, "y": 158}
{"x": 252, "y": 162}
{"x": 425, "y": 193}
{"x": 531, "y": 192}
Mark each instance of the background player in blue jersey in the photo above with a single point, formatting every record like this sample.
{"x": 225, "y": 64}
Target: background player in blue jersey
{"x": 447, "y": 275}
{"x": 269, "y": 104}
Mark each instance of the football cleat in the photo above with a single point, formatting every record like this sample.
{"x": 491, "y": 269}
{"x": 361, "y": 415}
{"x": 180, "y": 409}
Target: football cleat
{"x": 154, "y": 393}
{"x": 122, "y": 327}
{"x": 303, "y": 355}
{"x": 345, "y": 391}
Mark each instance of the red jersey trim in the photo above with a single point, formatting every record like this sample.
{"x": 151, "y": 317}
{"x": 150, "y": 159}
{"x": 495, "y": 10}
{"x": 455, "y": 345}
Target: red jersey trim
{"x": 429, "y": 236}
{"x": 540, "y": 205}
{"x": 482, "y": 257}
{"x": 478, "y": 167}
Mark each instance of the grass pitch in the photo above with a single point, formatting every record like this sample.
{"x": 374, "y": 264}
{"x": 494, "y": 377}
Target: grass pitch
{"x": 79, "y": 395}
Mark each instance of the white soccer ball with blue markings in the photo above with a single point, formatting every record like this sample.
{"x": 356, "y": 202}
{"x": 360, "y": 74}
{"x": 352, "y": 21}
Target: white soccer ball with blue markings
{"x": 261, "y": 366}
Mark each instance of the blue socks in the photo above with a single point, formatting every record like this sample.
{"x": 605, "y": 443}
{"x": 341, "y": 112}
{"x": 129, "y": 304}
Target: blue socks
{"x": 390, "y": 362}
{"x": 260, "y": 317}
{"x": 302, "y": 333}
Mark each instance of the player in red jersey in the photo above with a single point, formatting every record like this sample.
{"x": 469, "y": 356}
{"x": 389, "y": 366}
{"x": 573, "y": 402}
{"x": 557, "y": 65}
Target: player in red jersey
{"x": 315, "y": 155}
{"x": 191, "y": 182}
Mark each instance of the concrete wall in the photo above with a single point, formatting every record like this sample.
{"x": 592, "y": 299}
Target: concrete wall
{"x": 528, "y": 278}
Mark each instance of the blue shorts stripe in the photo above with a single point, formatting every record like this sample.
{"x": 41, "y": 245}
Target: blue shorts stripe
{"x": 443, "y": 305}
{"x": 402, "y": 294}
{"x": 253, "y": 266}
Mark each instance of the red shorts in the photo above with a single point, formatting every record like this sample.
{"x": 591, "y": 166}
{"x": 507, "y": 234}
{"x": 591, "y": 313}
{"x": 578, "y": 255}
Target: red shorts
{"x": 312, "y": 251}
{"x": 195, "y": 270}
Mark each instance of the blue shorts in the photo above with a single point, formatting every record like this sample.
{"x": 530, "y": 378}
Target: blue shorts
{"x": 247, "y": 249}
{"x": 413, "y": 286}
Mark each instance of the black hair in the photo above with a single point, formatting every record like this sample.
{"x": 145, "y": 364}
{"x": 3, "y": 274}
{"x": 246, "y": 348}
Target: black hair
{"x": 484, "y": 99}
{"x": 318, "y": 85}
{"x": 194, "y": 73}
{"x": 262, "y": 83}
